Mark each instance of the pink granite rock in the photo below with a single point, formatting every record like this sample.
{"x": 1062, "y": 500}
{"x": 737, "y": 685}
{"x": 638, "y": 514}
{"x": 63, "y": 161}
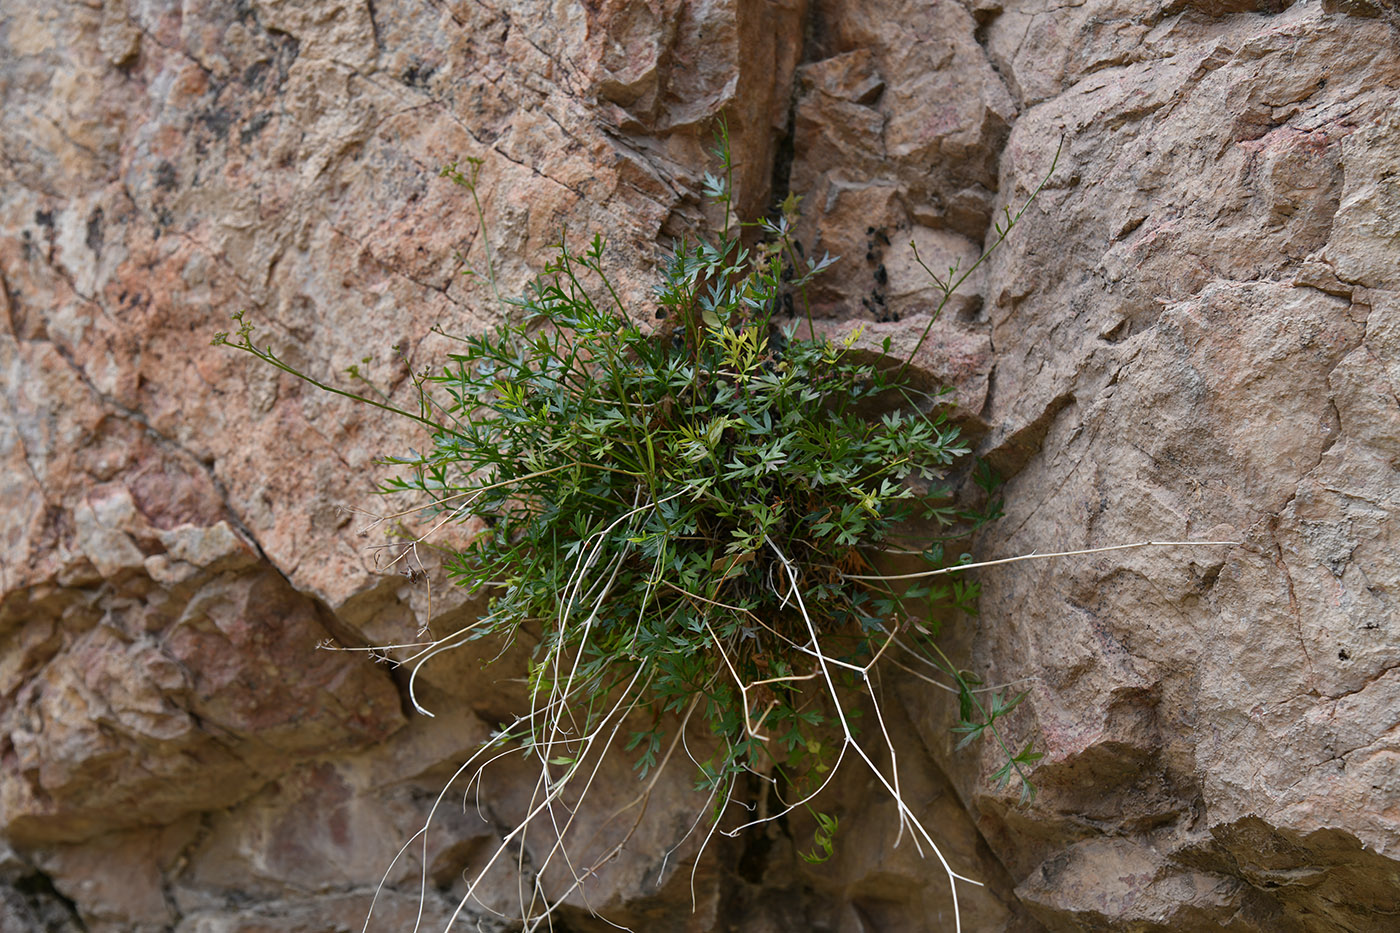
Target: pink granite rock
{"x": 1192, "y": 333}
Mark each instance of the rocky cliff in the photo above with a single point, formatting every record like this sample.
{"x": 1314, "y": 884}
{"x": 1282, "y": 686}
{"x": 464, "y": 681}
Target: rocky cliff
{"x": 1193, "y": 333}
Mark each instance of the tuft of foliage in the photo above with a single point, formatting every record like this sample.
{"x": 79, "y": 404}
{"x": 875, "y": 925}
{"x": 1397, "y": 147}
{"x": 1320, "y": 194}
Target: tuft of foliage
{"x": 685, "y": 522}
{"x": 672, "y": 516}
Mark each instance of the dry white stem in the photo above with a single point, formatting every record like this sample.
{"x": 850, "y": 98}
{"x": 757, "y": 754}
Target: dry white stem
{"x": 553, "y": 728}
{"x": 555, "y": 788}
{"x": 906, "y": 815}
{"x": 616, "y": 849}
{"x": 380, "y": 519}
{"x": 560, "y": 832}
{"x": 1020, "y": 557}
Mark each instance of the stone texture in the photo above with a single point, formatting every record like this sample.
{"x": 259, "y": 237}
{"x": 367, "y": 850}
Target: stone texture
{"x": 1189, "y": 336}
{"x": 1192, "y": 333}
{"x": 159, "y": 685}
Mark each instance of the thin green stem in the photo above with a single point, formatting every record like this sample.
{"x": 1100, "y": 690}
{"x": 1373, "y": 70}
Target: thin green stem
{"x": 948, "y": 287}
{"x": 271, "y": 358}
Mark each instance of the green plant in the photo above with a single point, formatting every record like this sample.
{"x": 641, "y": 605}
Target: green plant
{"x": 686, "y": 523}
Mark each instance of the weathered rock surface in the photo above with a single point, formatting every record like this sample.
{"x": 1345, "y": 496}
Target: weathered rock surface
{"x": 1196, "y": 321}
{"x": 1194, "y": 332}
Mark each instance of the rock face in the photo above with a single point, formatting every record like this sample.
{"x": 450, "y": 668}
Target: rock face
{"x": 1193, "y": 333}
